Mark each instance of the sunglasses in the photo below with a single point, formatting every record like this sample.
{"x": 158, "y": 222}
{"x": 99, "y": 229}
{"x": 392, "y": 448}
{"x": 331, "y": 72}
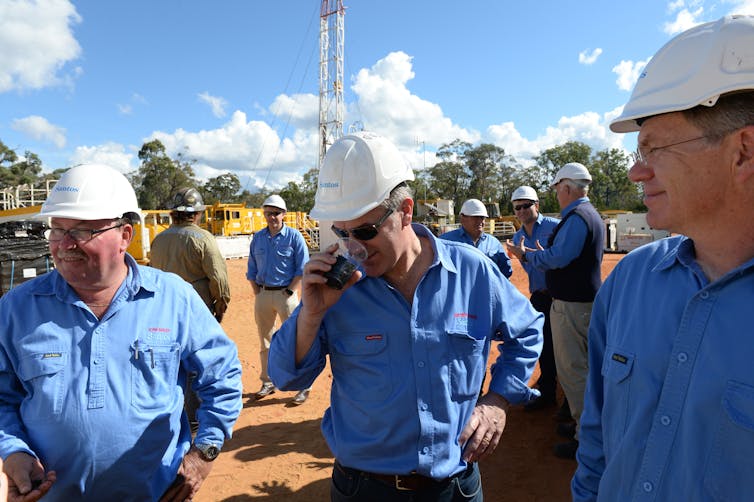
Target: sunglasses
{"x": 364, "y": 232}
{"x": 525, "y": 205}
{"x": 272, "y": 214}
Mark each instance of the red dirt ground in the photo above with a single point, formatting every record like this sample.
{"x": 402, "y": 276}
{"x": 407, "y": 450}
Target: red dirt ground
{"x": 278, "y": 453}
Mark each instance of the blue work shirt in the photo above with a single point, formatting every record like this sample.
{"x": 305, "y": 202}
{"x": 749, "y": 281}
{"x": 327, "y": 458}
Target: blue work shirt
{"x": 487, "y": 244}
{"x": 406, "y": 377}
{"x": 100, "y": 401}
{"x": 541, "y": 232}
{"x": 669, "y": 408}
{"x": 568, "y": 244}
{"x": 276, "y": 260}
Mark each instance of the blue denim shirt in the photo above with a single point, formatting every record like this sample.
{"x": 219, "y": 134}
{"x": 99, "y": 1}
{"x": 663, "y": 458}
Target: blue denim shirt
{"x": 541, "y": 232}
{"x": 100, "y": 401}
{"x": 406, "y": 376}
{"x": 487, "y": 244}
{"x": 669, "y": 408}
{"x": 276, "y": 260}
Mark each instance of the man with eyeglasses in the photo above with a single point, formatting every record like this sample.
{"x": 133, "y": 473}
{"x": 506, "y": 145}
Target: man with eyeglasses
{"x": 669, "y": 408}
{"x": 408, "y": 338}
{"x": 571, "y": 262}
{"x": 473, "y": 214}
{"x": 94, "y": 359}
{"x": 535, "y": 230}
{"x": 276, "y": 261}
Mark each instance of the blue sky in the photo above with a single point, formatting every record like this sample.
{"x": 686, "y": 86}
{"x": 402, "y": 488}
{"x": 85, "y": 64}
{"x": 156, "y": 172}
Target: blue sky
{"x": 234, "y": 83}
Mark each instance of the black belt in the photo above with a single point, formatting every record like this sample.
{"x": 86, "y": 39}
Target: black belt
{"x": 272, "y": 288}
{"x": 403, "y": 482}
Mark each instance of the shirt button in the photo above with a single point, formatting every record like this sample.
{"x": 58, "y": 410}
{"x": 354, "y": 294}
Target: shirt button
{"x": 421, "y": 364}
{"x": 665, "y": 420}
{"x": 704, "y": 295}
{"x": 425, "y": 450}
{"x": 647, "y": 486}
{"x": 423, "y": 407}
{"x": 682, "y": 357}
{"x": 96, "y": 361}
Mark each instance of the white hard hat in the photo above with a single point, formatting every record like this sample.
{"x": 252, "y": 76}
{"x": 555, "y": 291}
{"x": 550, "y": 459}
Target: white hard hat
{"x": 91, "y": 192}
{"x": 692, "y": 69}
{"x": 358, "y": 173}
{"x": 474, "y": 207}
{"x": 525, "y": 193}
{"x": 275, "y": 201}
{"x": 572, "y": 171}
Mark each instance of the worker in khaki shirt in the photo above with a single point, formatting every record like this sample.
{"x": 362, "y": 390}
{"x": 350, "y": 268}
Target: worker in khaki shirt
{"x": 192, "y": 253}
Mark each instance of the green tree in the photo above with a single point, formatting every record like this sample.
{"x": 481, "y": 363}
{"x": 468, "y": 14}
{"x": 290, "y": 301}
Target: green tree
{"x": 159, "y": 176}
{"x": 611, "y": 188}
{"x": 546, "y": 166}
{"x": 300, "y": 196}
{"x": 223, "y": 188}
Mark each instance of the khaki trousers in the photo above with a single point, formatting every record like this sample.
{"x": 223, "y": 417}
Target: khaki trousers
{"x": 570, "y": 326}
{"x": 270, "y": 304}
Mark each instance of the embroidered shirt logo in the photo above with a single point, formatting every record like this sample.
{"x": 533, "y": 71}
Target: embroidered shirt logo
{"x": 619, "y": 358}
{"x": 370, "y": 338}
{"x": 50, "y": 355}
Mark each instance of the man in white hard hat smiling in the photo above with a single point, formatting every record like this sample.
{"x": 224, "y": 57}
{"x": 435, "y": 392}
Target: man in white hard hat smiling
{"x": 277, "y": 256}
{"x": 94, "y": 358}
{"x": 407, "y": 337}
{"x": 669, "y": 408}
{"x": 473, "y": 215}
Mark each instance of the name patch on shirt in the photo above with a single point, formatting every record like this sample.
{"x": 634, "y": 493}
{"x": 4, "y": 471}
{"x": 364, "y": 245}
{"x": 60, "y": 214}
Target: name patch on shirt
{"x": 370, "y": 338}
{"x": 461, "y": 320}
{"x": 51, "y": 355}
{"x": 619, "y": 358}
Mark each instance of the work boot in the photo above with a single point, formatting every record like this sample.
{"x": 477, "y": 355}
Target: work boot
{"x": 267, "y": 389}
{"x": 300, "y": 397}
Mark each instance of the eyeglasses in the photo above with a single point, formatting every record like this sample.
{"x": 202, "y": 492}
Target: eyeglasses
{"x": 363, "y": 232}
{"x": 640, "y": 157}
{"x": 76, "y": 234}
{"x": 272, "y": 214}
{"x": 525, "y": 205}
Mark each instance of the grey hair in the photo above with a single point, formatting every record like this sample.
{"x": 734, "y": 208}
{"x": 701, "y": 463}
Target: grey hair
{"x": 577, "y": 185}
{"x": 397, "y": 196}
{"x": 732, "y": 111}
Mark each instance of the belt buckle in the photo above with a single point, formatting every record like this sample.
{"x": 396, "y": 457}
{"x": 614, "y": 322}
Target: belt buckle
{"x": 399, "y": 484}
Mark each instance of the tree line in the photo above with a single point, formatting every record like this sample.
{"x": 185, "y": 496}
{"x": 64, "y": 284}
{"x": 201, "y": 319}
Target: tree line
{"x": 464, "y": 171}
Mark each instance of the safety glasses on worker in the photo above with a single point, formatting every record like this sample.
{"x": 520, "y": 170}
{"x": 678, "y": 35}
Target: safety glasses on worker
{"x": 364, "y": 232}
{"x": 76, "y": 234}
{"x": 525, "y": 205}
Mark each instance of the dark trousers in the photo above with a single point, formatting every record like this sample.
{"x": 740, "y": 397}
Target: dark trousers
{"x": 541, "y": 302}
{"x": 353, "y": 485}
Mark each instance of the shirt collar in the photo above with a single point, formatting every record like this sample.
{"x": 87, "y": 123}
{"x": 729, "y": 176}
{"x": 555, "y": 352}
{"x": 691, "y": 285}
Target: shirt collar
{"x": 441, "y": 256}
{"x": 570, "y": 207}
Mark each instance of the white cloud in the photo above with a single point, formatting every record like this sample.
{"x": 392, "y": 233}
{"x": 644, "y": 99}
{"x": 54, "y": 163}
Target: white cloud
{"x": 216, "y": 103}
{"x": 40, "y": 129}
{"x": 250, "y": 149}
{"x": 36, "y": 41}
{"x": 741, "y": 6}
{"x": 684, "y": 20}
{"x": 589, "y": 127}
{"x": 111, "y": 154}
{"x": 388, "y": 107}
{"x": 587, "y": 59}
{"x": 125, "y": 109}
{"x": 628, "y": 73}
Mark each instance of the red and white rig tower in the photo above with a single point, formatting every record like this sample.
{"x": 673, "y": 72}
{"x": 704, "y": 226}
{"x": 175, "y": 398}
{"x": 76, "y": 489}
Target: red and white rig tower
{"x": 331, "y": 43}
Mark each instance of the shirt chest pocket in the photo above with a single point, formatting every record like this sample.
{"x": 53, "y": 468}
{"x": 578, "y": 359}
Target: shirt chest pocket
{"x": 466, "y": 364}
{"x": 729, "y": 471}
{"x": 154, "y": 375}
{"x": 361, "y": 366}
{"x": 43, "y": 376}
{"x": 617, "y": 368}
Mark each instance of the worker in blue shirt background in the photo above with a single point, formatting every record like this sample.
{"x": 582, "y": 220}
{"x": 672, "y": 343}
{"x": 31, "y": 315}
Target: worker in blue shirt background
{"x": 572, "y": 263}
{"x": 407, "y": 337}
{"x": 669, "y": 408}
{"x": 94, "y": 358}
{"x": 473, "y": 215}
{"x": 276, "y": 261}
{"x": 535, "y": 231}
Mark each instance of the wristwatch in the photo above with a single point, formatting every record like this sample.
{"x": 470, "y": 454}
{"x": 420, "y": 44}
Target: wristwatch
{"x": 289, "y": 292}
{"x": 208, "y": 452}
